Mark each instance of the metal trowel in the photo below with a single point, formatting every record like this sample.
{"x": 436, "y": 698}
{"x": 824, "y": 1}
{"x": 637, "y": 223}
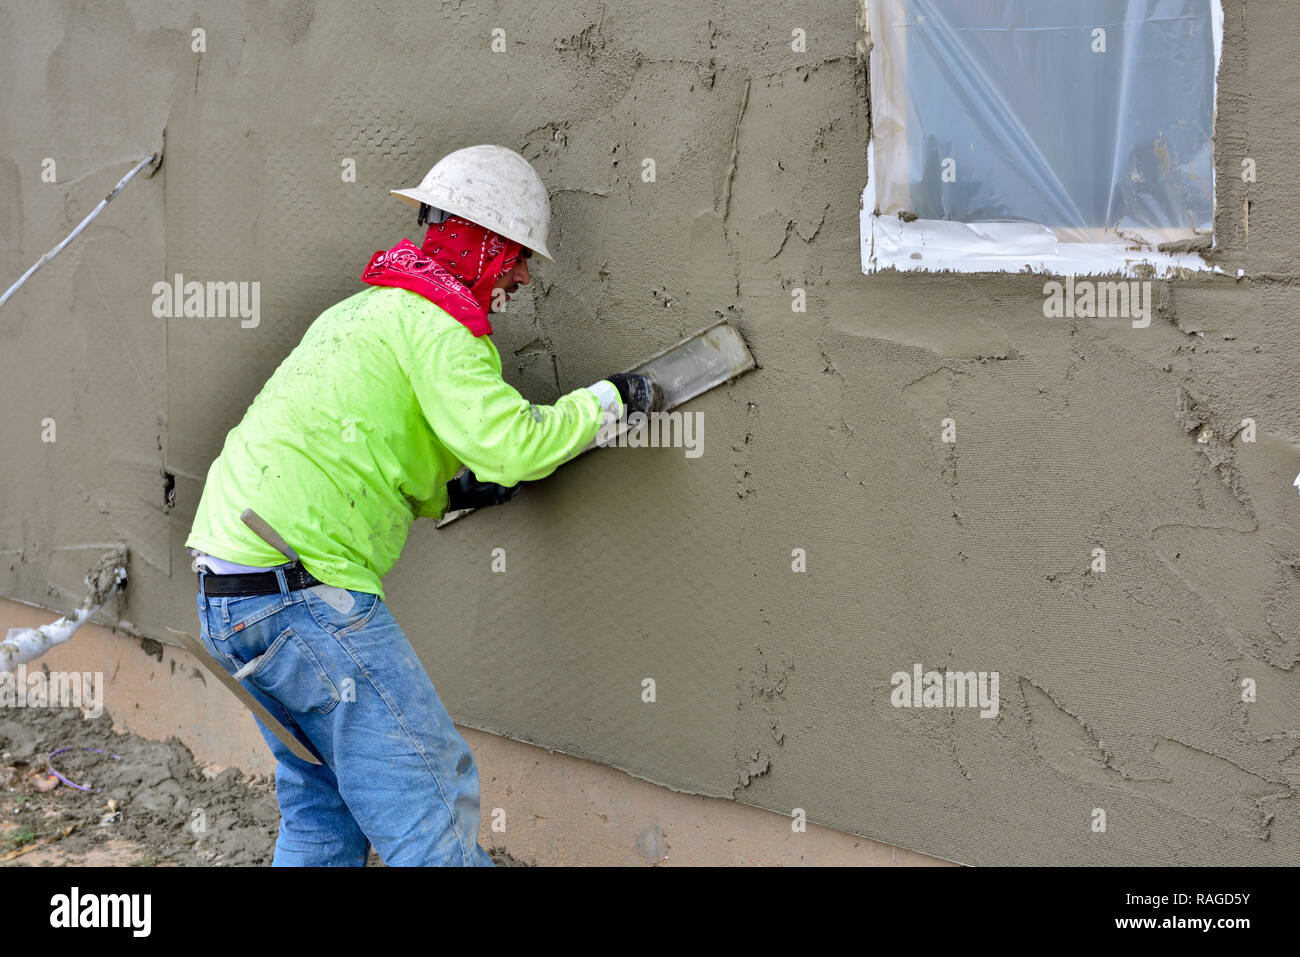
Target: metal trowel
{"x": 196, "y": 649}
{"x": 191, "y": 644}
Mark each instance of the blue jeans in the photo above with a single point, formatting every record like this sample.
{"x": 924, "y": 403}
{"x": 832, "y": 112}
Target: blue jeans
{"x": 395, "y": 772}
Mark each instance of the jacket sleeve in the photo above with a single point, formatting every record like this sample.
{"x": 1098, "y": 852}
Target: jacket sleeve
{"x": 487, "y": 424}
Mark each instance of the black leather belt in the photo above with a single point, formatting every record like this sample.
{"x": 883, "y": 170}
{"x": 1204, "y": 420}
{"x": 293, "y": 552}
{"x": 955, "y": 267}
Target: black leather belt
{"x": 256, "y": 583}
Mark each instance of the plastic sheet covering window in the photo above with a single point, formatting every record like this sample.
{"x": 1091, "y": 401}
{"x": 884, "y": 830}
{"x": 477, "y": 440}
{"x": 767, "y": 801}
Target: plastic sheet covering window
{"x": 1094, "y": 118}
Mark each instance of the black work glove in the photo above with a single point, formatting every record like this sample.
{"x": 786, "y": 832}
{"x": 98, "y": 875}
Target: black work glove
{"x": 467, "y": 491}
{"x": 639, "y": 393}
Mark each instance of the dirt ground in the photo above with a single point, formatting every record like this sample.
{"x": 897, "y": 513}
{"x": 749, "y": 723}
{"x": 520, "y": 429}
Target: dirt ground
{"x": 148, "y": 803}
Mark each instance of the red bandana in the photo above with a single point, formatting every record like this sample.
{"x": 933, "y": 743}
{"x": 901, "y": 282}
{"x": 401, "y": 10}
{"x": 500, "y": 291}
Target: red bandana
{"x": 456, "y": 268}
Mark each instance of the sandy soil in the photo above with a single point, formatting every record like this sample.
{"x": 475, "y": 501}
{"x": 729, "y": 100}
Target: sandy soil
{"x": 148, "y": 803}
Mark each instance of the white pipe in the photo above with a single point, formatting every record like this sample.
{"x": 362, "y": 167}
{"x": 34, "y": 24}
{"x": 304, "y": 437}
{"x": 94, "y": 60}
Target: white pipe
{"x": 76, "y": 232}
{"x": 22, "y": 645}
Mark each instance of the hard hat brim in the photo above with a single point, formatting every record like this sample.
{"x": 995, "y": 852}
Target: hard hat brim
{"x": 416, "y": 197}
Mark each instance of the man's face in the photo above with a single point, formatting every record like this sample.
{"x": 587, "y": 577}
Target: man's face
{"x": 511, "y": 280}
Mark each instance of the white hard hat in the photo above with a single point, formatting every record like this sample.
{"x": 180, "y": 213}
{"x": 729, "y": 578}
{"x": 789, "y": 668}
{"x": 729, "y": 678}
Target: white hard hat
{"x": 492, "y": 186}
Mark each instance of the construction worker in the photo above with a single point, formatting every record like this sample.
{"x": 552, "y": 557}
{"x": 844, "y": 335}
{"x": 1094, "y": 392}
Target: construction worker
{"x": 364, "y": 427}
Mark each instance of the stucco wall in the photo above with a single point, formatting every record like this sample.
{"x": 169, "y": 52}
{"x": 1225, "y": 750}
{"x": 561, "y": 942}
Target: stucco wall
{"x": 1118, "y": 691}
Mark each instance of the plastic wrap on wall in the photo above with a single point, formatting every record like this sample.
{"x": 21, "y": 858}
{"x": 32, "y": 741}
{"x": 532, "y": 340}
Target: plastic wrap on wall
{"x": 1091, "y": 120}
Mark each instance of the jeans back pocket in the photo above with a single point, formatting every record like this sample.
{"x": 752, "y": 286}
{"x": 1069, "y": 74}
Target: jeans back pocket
{"x": 291, "y": 673}
{"x": 332, "y": 619}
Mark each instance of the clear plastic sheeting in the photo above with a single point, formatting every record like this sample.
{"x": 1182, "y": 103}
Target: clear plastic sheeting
{"x": 1067, "y": 135}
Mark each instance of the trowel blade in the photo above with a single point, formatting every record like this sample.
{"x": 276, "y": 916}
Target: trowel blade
{"x": 695, "y": 365}
{"x": 195, "y": 648}
{"x": 698, "y": 364}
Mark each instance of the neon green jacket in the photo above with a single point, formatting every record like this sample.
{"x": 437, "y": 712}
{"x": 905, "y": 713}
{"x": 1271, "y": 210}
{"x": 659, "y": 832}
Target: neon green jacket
{"x": 358, "y": 431}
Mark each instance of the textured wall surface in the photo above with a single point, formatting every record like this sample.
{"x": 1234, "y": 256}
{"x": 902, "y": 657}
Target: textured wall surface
{"x": 1119, "y": 691}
